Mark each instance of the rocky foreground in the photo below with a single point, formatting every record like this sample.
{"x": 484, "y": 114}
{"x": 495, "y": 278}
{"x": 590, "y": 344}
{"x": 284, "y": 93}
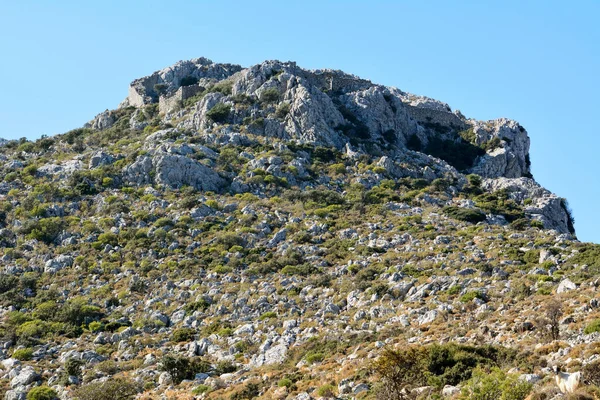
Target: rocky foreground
{"x": 278, "y": 233}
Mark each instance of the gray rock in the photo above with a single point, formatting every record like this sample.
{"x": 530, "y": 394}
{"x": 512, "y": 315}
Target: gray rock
{"x": 165, "y": 379}
{"x": 174, "y": 171}
{"x": 58, "y": 263}
{"x": 102, "y": 121}
{"x": 303, "y": 396}
{"x": 25, "y": 376}
{"x": 530, "y": 378}
{"x": 15, "y": 395}
{"x": 277, "y": 238}
{"x": 428, "y": 317}
{"x": 545, "y": 206}
{"x": 449, "y": 391}
{"x": 100, "y": 158}
{"x": 510, "y": 160}
{"x": 360, "y": 388}
{"x": 565, "y": 285}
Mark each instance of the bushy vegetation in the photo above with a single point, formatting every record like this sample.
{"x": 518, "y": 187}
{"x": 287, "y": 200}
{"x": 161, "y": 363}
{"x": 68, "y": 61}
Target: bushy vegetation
{"x": 219, "y": 113}
{"x": 270, "y": 95}
{"x": 112, "y": 389}
{"x": 42, "y": 393}
{"x": 494, "y": 384}
{"x": 465, "y": 214}
{"x": 181, "y": 368}
{"x": 436, "y": 365}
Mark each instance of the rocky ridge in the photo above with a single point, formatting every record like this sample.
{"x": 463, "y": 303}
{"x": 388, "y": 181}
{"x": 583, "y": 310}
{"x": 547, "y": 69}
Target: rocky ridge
{"x": 268, "y": 232}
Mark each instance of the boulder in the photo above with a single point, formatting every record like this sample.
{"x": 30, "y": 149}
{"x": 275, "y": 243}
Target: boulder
{"x": 25, "y": 376}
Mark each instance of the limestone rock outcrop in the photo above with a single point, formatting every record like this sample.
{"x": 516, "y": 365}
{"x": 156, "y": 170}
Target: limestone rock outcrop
{"x": 541, "y": 204}
{"x": 174, "y": 170}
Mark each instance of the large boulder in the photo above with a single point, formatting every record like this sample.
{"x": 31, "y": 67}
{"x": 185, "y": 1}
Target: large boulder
{"x": 26, "y": 376}
{"x": 172, "y": 170}
{"x": 102, "y": 121}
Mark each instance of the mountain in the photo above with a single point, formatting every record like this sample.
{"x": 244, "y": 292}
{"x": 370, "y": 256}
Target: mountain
{"x": 274, "y": 232}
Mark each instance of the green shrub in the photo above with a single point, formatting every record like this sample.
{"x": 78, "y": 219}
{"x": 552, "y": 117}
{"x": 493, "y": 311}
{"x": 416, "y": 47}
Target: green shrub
{"x": 201, "y": 389}
{"x": 25, "y": 354}
{"x": 181, "y": 368}
{"x": 73, "y": 367}
{"x": 95, "y": 326}
{"x": 470, "y": 296}
{"x": 188, "y": 81}
{"x": 326, "y": 391}
{"x": 42, "y": 393}
{"x": 285, "y": 382}
{"x": 270, "y": 95}
{"x": 520, "y": 224}
{"x": 592, "y": 327}
{"x": 268, "y": 315}
{"x": 314, "y": 357}
{"x": 323, "y": 154}
{"x": 303, "y": 269}
{"x": 474, "y": 180}
{"x": 225, "y": 367}
{"x": 435, "y": 365}
{"x": 225, "y": 87}
{"x": 495, "y": 385}
{"x": 465, "y": 214}
{"x": 282, "y": 110}
{"x": 108, "y": 238}
{"x": 532, "y": 256}
{"x": 44, "y": 229}
{"x": 219, "y": 113}
{"x": 112, "y": 389}
{"x": 199, "y": 305}
{"x": 183, "y": 335}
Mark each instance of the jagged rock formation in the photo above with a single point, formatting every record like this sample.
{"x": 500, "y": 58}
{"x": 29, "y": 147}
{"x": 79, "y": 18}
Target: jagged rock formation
{"x": 334, "y": 109}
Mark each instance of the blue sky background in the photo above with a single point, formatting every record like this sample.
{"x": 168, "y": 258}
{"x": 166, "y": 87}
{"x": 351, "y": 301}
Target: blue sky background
{"x": 534, "y": 61}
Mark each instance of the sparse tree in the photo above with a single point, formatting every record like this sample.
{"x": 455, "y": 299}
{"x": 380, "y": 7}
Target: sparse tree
{"x": 549, "y": 323}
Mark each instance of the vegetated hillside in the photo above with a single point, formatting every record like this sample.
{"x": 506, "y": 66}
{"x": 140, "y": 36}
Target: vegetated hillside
{"x": 277, "y": 233}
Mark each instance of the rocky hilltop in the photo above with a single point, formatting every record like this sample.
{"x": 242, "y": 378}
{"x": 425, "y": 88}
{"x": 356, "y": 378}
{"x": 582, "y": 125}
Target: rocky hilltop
{"x": 274, "y": 232}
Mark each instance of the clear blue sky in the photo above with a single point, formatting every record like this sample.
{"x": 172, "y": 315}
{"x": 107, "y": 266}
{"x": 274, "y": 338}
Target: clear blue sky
{"x": 534, "y": 61}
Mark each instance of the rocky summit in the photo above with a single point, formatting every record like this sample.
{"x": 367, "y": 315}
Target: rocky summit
{"x": 274, "y": 232}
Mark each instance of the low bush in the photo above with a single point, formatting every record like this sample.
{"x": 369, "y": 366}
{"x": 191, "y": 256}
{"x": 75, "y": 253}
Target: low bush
{"x": 183, "y": 335}
{"x": 592, "y": 327}
{"x": 494, "y": 385}
{"x": 435, "y": 365}
{"x": 42, "y": 393}
{"x": 23, "y": 354}
{"x": 219, "y": 113}
{"x": 270, "y": 95}
{"x": 472, "y": 215}
{"x": 181, "y": 368}
{"x": 112, "y": 389}
{"x": 326, "y": 391}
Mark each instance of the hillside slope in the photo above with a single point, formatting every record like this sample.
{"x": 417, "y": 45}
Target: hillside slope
{"x": 278, "y": 233}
